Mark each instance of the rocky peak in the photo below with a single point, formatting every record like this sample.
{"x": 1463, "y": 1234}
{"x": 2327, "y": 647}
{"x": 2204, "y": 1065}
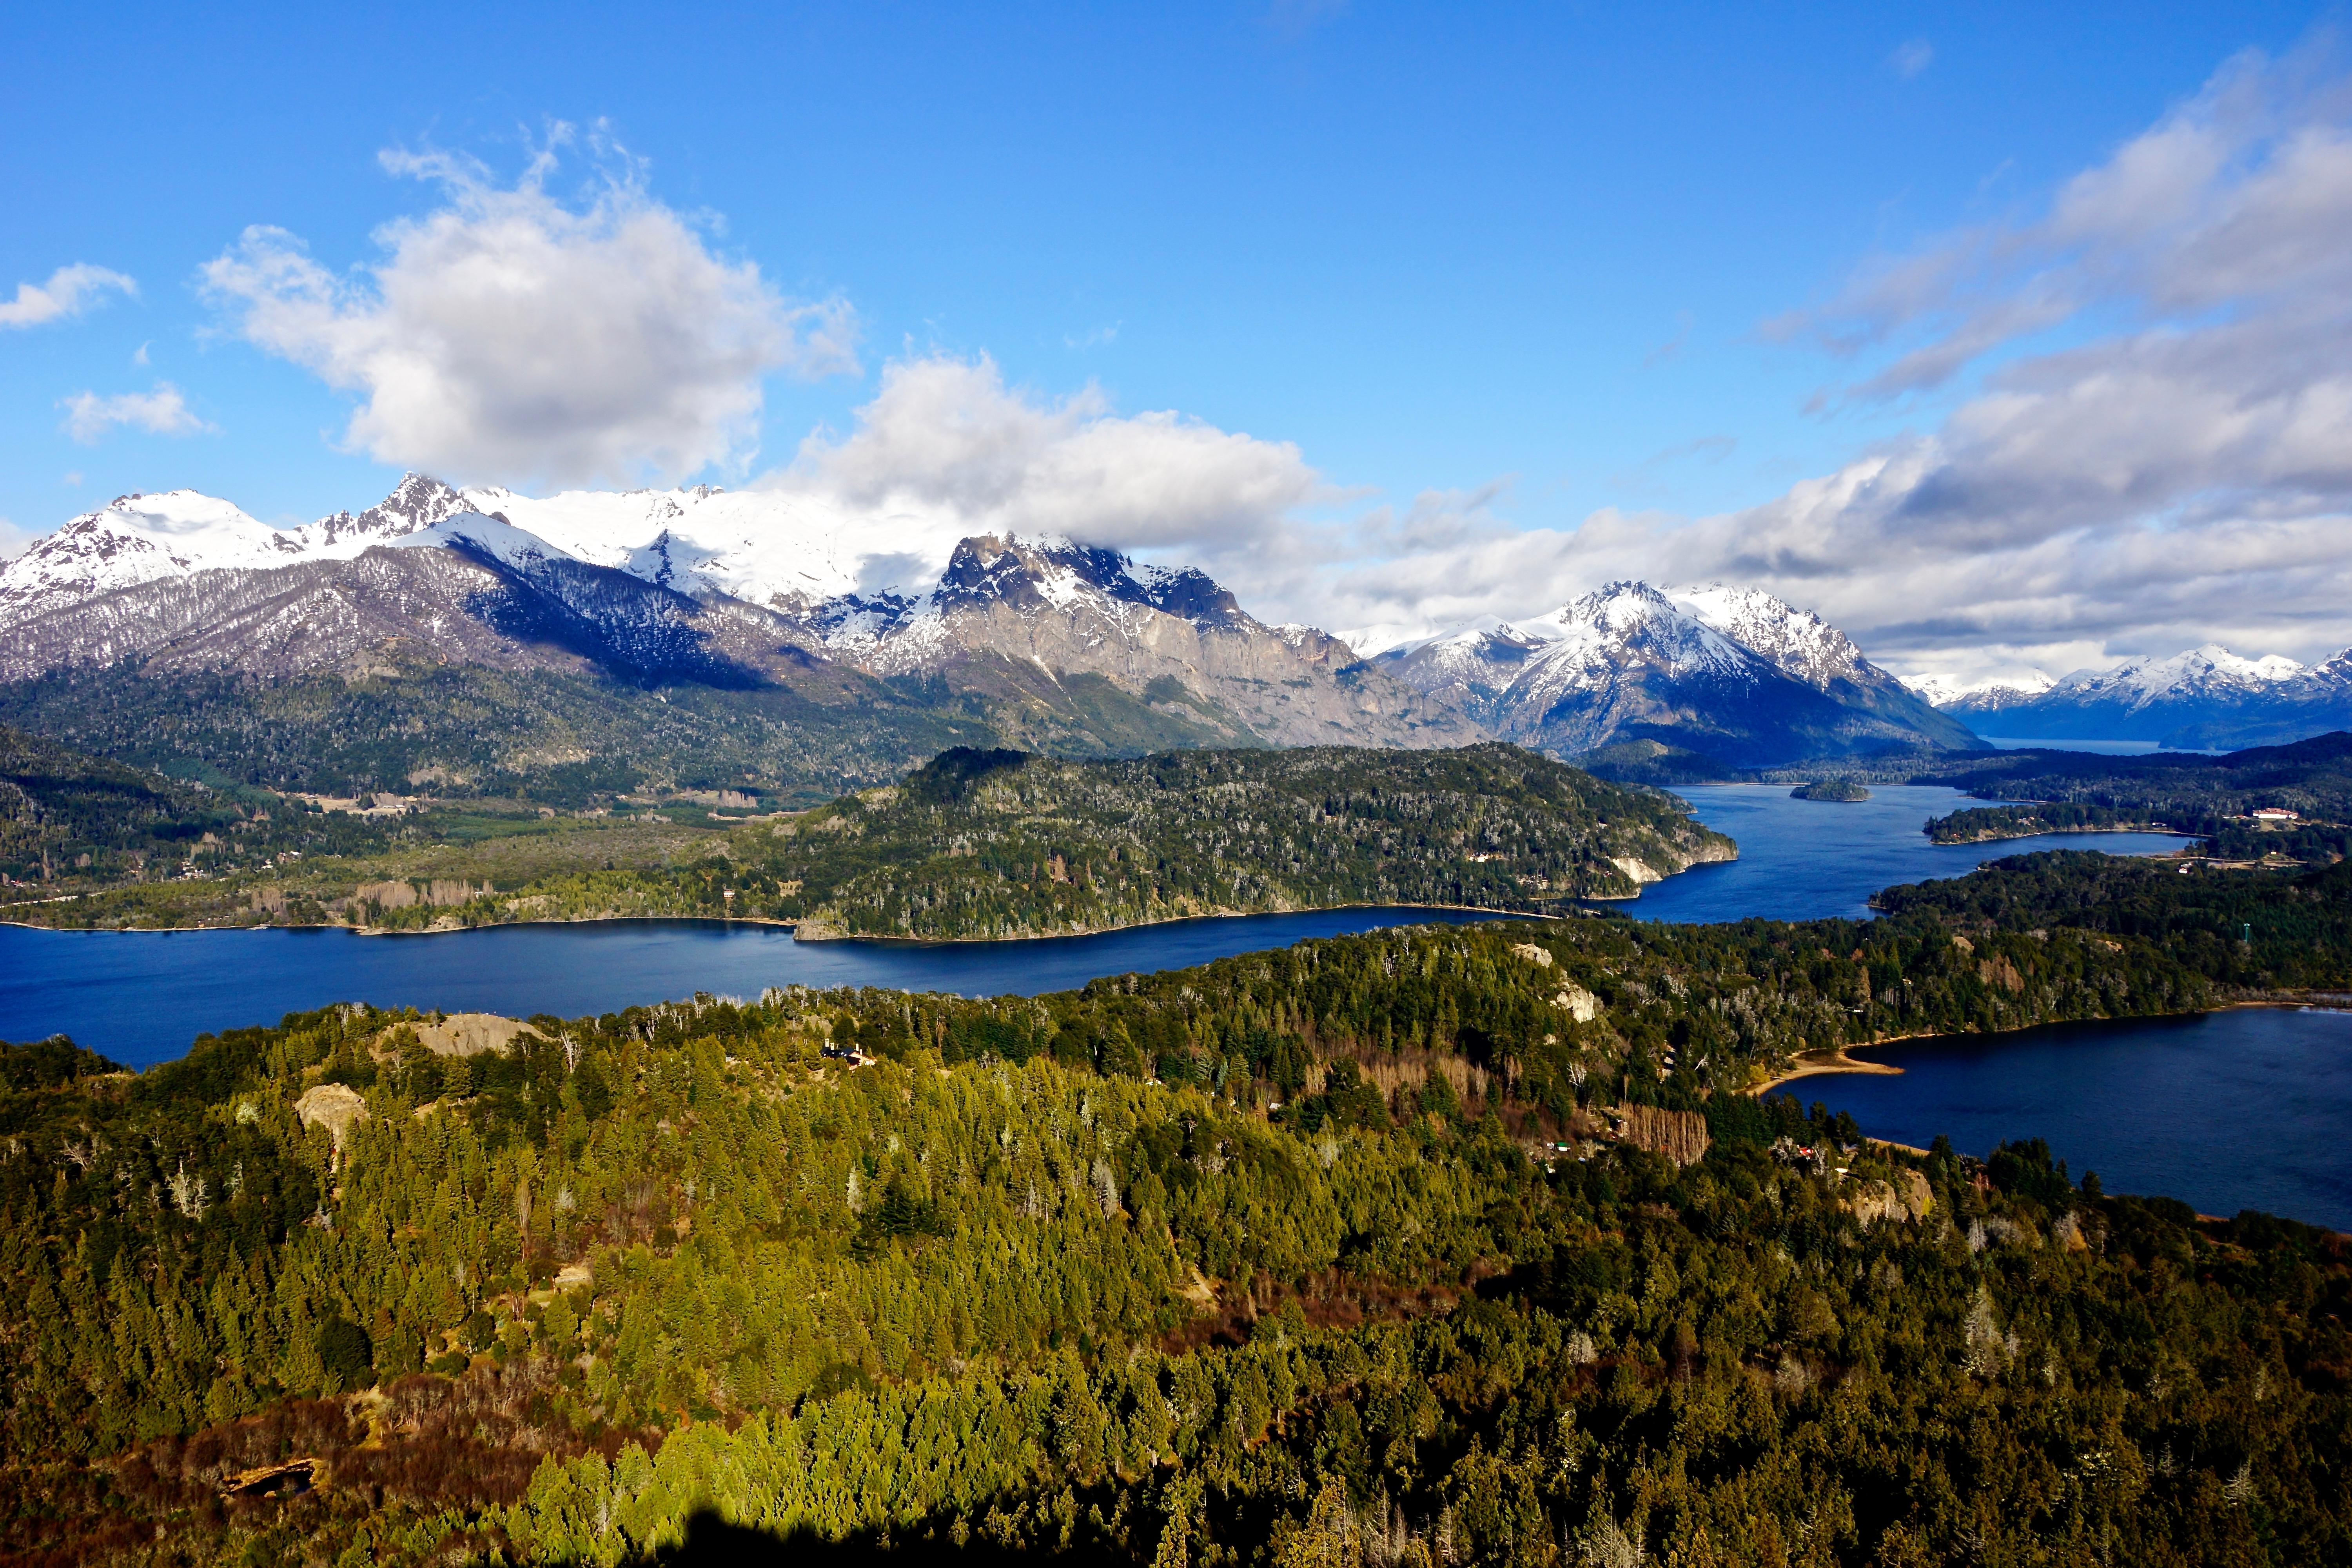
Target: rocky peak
{"x": 1799, "y": 642}
{"x": 1032, "y": 574}
{"x": 418, "y": 501}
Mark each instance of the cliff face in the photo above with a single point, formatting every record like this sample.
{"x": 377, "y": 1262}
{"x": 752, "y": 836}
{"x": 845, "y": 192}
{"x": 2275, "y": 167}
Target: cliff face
{"x": 1175, "y": 638}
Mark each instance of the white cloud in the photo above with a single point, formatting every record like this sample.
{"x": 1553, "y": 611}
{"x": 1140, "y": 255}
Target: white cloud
{"x": 510, "y": 337}
{"x": 1912, "y": 57}
{"x": 945, "y": 438}
{"x": 2175, "y": 468}
{"x": 69, "y": 291}
{"x": 162, "y": 411}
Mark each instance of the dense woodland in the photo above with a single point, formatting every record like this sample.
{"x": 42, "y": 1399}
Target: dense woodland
{"x": 1000, "y": 843}
{"x": 974, "y": 844}
{"x": 1326, "y": 1254}
{"x": 569, "y": 740}
{"x": 2210, "y": 796}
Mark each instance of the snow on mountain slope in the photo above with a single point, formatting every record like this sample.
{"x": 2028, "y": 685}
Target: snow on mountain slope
{"x": 2205, "y": 696}
{"x": 1624, "y": 626}
{"x": 486, "y": 536}
{"x": 1941, "y": 690}
{"x": 696, "y": 583}
{"x": 773, "y": 549}
{"x": 2208, "y": 671}
{"x": 1799, "y": 642}
{"x": 1732, "y": 672}
{"x": 780, "y": 550}
{"x": 136, "y": 538}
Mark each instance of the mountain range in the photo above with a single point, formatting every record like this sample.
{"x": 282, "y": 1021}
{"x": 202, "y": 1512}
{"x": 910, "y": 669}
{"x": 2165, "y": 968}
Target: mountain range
{"x": 1733, "y": 674}
{"x": 882, "y": 643}
{"x": 696, "y": 585}
{"x": 2204, "y": 697}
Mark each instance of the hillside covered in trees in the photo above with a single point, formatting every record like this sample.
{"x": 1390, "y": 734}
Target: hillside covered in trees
{"x": 987, "y": 844}
{"x": 570, "y": 740}
{"x": 973, "y": 844}
{"x": 1357, "y": 1252}
{"x": 2210, "y": 796}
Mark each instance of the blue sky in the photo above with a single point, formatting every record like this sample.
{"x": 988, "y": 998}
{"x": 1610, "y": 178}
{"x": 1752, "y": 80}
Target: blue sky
{"x": 1526, "y": 263}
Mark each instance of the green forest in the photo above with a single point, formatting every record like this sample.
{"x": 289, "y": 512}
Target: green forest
{"x": 974, "y": 844}
{"x": 2209, "y": 796}
{"x": 1439, "y": 1244}
{"x": 570, "y": 741}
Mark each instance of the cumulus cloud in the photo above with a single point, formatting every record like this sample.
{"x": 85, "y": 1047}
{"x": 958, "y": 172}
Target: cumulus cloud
{"x": 2151, "y": 444}
{"x": 510, "y": 336}
{"x": 162, "y": 411}
{"x": 69, "y": 291}
{"x": 947, "y": 440}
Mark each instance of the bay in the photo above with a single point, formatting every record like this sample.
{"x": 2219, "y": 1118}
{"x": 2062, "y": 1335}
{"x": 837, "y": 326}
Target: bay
{"x": 1810, "y": 860}
{"x": 2246, "y": 1108}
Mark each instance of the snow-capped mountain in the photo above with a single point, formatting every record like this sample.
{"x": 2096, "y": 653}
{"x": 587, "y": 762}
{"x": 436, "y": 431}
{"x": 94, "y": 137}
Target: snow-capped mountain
{"x": 2204, "y": 696}
{"x": 1942, "y": 690}
{"x": 695, "y": 584}
{"x": 1733, "y": 673}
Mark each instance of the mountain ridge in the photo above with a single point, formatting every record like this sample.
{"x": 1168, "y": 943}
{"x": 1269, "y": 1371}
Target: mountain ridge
{"x": 1731, "y": 674}
{"x": 2201, "y": 698}
{"x": 177, "y": 580}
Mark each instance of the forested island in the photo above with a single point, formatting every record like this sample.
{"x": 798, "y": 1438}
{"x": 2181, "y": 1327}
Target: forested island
{"x": 1843, "y": 791}
{"x": 2307, "y": 786}
{"x": 975, "y": 844}
{"x": 1444, "y": 1244}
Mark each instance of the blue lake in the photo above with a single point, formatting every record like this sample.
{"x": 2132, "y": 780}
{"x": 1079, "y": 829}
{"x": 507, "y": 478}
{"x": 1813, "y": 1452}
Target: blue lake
{"x": 2239, "y": 1109}
{"x": 1809, "y": 859}
{"x": 2248, "y": 1108}
{"x": 140, "y": 997}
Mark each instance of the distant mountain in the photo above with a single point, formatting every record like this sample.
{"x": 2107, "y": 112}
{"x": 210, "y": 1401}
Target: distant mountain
{"x": 1945, "y": 692}
{"x": 701, "y": 585}
{"x": 2206, "y": 697}
{"x": 1731, "y": 674}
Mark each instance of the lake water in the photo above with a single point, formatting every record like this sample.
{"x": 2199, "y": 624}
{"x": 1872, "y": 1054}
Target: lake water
{"x": 1811, "y": 860}
{"x": 141, "y": 996}
{"x": 2249, "y": 1109}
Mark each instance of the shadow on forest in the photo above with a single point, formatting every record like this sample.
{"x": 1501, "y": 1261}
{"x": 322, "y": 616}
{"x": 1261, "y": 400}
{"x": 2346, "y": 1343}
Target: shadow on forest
{"x": 712, "y": 1543}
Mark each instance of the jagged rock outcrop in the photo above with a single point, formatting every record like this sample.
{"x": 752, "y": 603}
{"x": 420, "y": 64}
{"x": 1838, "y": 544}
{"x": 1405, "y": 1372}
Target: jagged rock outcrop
{"x": 337, "y": 1107}
{"x": 1906, "y": 1197}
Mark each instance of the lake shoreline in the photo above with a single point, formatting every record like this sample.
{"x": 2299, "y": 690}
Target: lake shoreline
{"x": 1817, "y": 1064}
{"x": 2046, "y": 831}
{"x": 793, "y": 926}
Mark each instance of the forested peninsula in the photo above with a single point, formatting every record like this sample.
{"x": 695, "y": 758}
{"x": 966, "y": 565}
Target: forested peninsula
{"x": 1442, "y": 1245}
{"x": 975, "y": 844}
{"x": 2308, "y": 787}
